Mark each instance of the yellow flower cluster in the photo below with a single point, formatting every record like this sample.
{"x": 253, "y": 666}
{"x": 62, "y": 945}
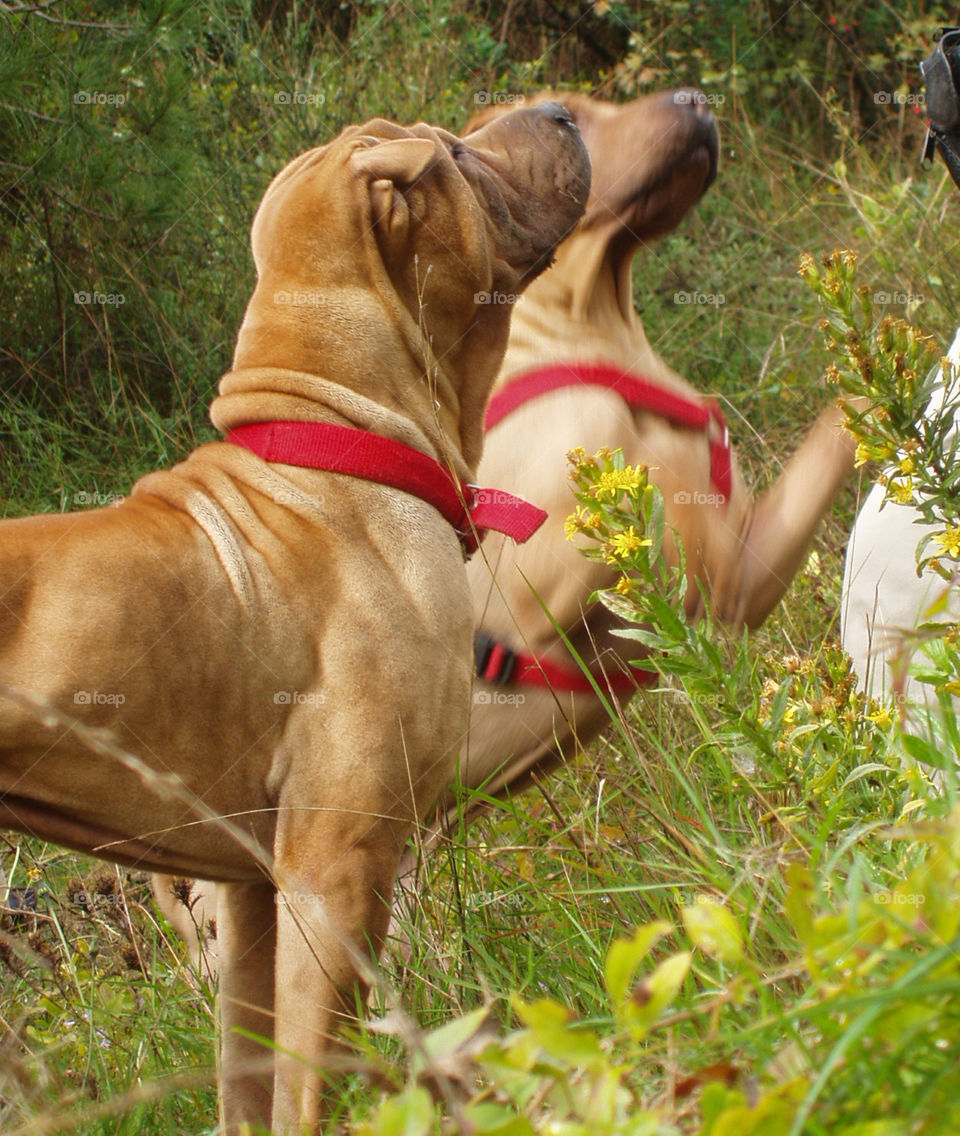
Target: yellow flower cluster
{"x": 901, "y": 491}
{"x": 881, "y": 716}
{"x": 612, "y": 482}
{"x": 880, "y": 451}
{"x": 949, "y": 540}
{"x": 582, "y": 522}
{"x": 622, "y": 544}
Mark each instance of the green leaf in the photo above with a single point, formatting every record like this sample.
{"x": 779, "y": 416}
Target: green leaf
{"x": 489, "y": 1118}
{"x": 540, "y": 1015}
{"x": 715, "y": 1099}
{"x": 799, "y": 900}
{"x": 557, "y": 1033}
{"x": 655, "y": 993}
{"x": 625, "y": 955}
{"x": 772, "y": 1115}
{"x": 714, "y": 929}
{"x": 451, "y": 1036}
{"x": 409, "y": 1113}
{"x": 865, "y": 770}
{"x": 921, "y": 750}
{"x": 667, "y": 618}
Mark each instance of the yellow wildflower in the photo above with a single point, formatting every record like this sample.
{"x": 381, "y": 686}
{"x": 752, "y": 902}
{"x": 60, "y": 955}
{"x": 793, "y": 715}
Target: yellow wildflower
{"x": 879, "y": 452}
{"x": 907, "y": 464}
{"x": 582, "y": 522}
{"x": 623, "y": 586}
{"x": 881, "y": 716}
{"x": 623, "y": 543}
{"x": 949, "y": 539}
{"x": 574, "y": 524}
{"x": 902, "y": 493}
{"x": 614, "y": 481}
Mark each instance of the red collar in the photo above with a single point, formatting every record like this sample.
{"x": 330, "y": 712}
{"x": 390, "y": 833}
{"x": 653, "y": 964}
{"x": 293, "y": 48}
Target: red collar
{"x": 638, "y": 392}
{"x": 341, "y": 449}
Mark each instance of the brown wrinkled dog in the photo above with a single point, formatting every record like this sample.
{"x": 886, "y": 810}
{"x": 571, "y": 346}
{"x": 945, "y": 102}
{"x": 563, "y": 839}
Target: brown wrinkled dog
{"x": 652, "y": 160}
{"x": 288, "y": 645}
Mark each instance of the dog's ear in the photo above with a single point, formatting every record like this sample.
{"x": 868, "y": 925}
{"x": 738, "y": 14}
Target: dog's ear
{"x": 391, "y": 167}
{"x": 400, "y": 160}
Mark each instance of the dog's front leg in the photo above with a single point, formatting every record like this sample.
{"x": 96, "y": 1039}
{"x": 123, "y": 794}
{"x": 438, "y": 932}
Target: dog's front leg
{"x": 247, "y": 928}
{"x": 335, "y": 874}
{"x": 781, "y": 525}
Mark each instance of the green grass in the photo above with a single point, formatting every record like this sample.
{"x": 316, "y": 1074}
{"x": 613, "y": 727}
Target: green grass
{"x": 106, "y": 1030}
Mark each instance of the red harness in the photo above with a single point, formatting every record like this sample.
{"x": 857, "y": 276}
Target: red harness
{"x": 497, "y": 663}
{"x": 638, "y": 393}
{"x": 342, "y": 449}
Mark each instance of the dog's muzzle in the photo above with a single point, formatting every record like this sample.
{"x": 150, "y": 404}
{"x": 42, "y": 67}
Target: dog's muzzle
{"x": 941, "y": 72}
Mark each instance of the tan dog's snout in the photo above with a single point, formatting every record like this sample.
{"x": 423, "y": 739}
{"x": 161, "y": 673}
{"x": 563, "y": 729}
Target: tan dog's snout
{"x": 659, "y": 156}
{"x": 693, "y": 108}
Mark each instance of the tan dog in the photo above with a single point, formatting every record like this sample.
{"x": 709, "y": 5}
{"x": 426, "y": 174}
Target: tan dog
{"x": 291, "y": 646}
{"x": 652, "y": 160}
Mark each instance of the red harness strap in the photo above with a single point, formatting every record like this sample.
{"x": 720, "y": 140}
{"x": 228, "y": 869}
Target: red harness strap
{"x": 497, "y": 663}
{"x": 637, "y": 392}
{"x": 342, "y": 449}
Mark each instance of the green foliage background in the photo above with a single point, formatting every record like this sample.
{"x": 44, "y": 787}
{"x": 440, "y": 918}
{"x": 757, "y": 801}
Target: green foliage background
{"x": 135, "y": 142}
{"x": 137, "y": 139}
